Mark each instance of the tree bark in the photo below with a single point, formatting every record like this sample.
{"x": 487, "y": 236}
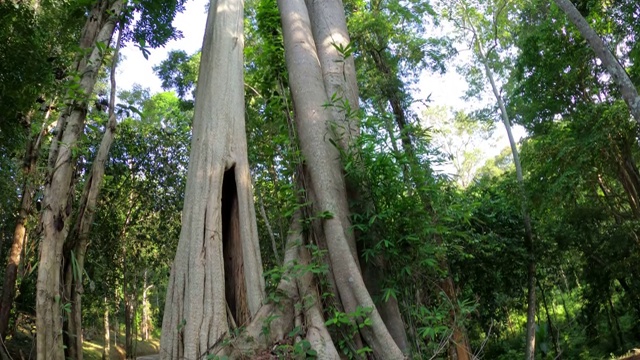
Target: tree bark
{"x": 219, "y": 230}
{"x": 613, "y": 66}
{"x": 106, "y": 348}
{"x": 145, "y": 326}
{"x": 553, "y": 330}
{"x": 389, "y": 310}
{"x": 529, "y": 243}
{"x": 78, "y": 239}
{"x": 314, "y": 129}
{"x": 57, "y": 191}
{"x": 20, "y": 235}
{"x": 329, "y": 30}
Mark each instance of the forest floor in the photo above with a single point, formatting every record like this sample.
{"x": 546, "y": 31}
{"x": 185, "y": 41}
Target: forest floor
{"x": 21, "y": 345}
{"x": 93, "y": 348}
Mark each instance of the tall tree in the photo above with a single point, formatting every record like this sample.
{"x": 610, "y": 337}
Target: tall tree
{"x": 216, "y": 278}
{"x": 96, "y": 36}
{"x": 485, "y": 36}
{"x": 40, "y": 33}
{"x": 614, "y": 67}
{"x": 313, "y": 126}
{"x": 152, "y": 28}
{"x": 75, "y": 247}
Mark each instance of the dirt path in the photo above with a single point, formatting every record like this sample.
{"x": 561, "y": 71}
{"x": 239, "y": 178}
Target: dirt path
{"x": 148, "y": 357}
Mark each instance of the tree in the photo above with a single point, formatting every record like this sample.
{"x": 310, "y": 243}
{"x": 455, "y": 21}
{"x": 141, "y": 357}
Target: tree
{"x": 611, "y": 63}
{"x": 41, "y": 33}
{"x": 216, "y": 278}
{"x": 324, "y": 169}
{"x": 57, "y": 205}
{"x": 458, "y": 136}
{"x": 485, "y": 37}
{"x": 153, "y": 27}
{"x": 76, "y": 244}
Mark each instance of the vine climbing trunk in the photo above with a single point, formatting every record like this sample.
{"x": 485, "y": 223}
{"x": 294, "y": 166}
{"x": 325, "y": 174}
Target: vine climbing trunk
{"x": 57, "y": 205}
{"x": 217, "y": 264}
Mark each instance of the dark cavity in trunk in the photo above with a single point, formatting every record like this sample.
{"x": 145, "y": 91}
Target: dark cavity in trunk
{"x": 235, "y": 291}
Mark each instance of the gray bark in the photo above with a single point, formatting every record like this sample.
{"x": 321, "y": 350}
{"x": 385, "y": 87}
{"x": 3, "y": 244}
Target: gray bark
{"x": 613, "y": 66}
{"x": 106, "y": 348}
{"x": 529, "y": 242}
{"x": 79, "y": 236}
{"x": 313, "y": 122}
{"x": 195, "y": 317}
{"x": 57, "y": 193}
{"x": 329, "y": 29}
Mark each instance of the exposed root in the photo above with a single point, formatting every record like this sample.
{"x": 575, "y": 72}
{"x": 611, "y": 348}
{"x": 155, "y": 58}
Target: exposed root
{"x": 317, "y": 333}
{"x": 297, "y": 305}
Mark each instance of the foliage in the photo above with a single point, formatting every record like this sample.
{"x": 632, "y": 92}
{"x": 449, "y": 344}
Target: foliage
{"x": 414, "y": 223}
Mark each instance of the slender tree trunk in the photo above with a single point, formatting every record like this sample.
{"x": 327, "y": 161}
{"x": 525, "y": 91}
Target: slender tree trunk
{"x": 106, "y": 348}
{"x": 617, "y": 331}
{"x": 128, "y": 322}
{"x": 20, "y": 233}
{"x": 145, "y": 326}
{"x": 395, "y": 102}
{"x": 314, "y": 127}
{"x": 613, "y": 66}
{"x": 553, "y": 330}
{"x": 529, "y": 243}
{"x": 267, "y": 224}
{"x": 78, "y": 239}
{"x": 57, "y": 191}
{"x": 219, "y": 231}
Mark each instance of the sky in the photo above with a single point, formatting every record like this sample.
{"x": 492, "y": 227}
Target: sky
{"x": 135, "y": 69}
{"x": 446, "y": 90}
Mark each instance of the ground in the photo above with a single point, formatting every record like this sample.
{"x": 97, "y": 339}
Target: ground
{"x": 20, "y": 345}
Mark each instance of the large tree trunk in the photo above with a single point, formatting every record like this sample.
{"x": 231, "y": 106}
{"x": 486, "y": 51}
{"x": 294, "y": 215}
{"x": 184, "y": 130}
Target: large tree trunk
{"x": 613, "y": 66}
{"x": 57, "y": 193}
{"x": 78, "y": 239}
{"x": 217, "y": 264}
{"x": 329, "y": 29}
{"x": 331, "y": 37}
{"x": 323, "y": 164}
{"x": 20, "y": 234}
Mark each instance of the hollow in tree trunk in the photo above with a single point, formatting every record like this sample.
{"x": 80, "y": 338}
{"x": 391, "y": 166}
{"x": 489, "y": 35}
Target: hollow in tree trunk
{"x": 217, "y": 264}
